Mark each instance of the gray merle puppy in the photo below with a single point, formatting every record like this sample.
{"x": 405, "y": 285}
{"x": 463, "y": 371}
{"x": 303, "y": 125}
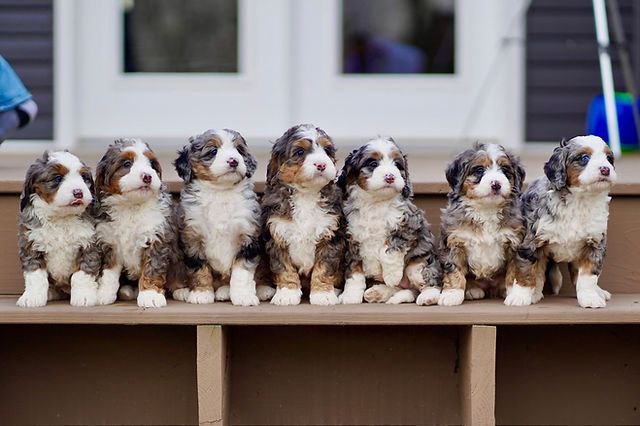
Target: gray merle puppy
{"x": 389, "y": 240}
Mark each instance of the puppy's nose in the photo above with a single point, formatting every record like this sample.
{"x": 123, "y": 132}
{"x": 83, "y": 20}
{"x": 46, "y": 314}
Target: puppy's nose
{"x": 389, "y": 178}
{"x": 146, "y": 178}
{"x": 232, "y": 162}
{"x": 605, "y": 171}
{"x": 495, "y": 186}
{"x": 77, "y": 193}
{"x": 320, "y": 166}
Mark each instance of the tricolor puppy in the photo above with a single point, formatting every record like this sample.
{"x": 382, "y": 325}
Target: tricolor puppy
{"x": 220, "y": 219}
{"x": 388, "y": 237}
{"x": 481, "y": 226}
{"x": 566, "y": 214}
{"x": 136, "y": 225}
{"x": 302, "y": 216}
{"x": 56, "y": 239}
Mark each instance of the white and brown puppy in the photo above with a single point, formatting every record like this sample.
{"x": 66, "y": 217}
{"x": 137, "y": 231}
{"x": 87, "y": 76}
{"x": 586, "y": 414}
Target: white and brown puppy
{"x": 481, "y": 227}
{"x": 388, "y": 237}
{"x": 302, "y": 215}
{"x": 566, "y": 213}
{"x": 136, "y": 225}
{"x": 57, "y": 243}
{"x": 220, "y": 219}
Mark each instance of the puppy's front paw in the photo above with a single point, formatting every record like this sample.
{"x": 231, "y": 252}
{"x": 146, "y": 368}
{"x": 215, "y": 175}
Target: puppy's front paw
{"x": 591, "y": 299}
{"x": 323, "y": 298}
{"x": 519, "y": 296}
{"x": 402, "y": 296}
{"x": 351, "y": 297}
{"x": 244, "y": 298}
{"x": 32, "y": 299}
{"x": 106, "y": 296}
{"x": 287, "y": 296}
{"x": 451, "y": 297}
{"x": 474, "y": 293}
{"x": 378, "y": 293}
{"x": 84, "y": 295}
{"x": 428, "y": 296}
{"x": 265, "y": 292}
{"x": 223, "y": 294}
{"x": 180, "y": 294}
{"x": 603, "y": 293}
{"x": 201, "y": 297}
{"x": 151, "y": 299}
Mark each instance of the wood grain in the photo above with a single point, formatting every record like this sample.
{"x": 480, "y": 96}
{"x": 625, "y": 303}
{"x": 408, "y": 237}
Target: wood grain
{"x": 211, "y": 364}
{"x": 478, "y": 375}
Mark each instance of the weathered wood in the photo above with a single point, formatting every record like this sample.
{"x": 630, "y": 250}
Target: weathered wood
{"x": 211, "y": 364}
{"x": 478, "y": 375}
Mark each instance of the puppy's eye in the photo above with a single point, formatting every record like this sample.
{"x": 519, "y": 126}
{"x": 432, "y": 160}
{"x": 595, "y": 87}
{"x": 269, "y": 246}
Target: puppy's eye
{"x": 478, "y": 170}
{"x": 86, "y": 178}
{"x": 399, "y": 165}
{"x": 372, "y": 164}
{"x": 127, "y": 164}
{"x": 610, "y": 159}
{"x": 299, "y": 152}
{"x": 210, "y": 154}
{"x": 56, "y": 180}
{"x": 583, "y": 159}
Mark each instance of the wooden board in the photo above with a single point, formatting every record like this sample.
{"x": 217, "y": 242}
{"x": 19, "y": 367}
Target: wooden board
{"x": 478, "y": 375}
{"x": 211, "y": 364}
{"x": 552, "y": 310}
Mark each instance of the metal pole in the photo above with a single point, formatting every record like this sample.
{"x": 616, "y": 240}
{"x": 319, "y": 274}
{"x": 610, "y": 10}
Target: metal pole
{"x": 606, "y": 73}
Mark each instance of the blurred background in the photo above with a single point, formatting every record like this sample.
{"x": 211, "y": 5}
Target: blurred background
{"x": 432, "y": 73}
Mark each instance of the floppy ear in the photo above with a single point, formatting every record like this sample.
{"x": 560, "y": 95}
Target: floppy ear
{"x": 183, "y": 163}
{"x": 518, "y": 170}
{"x": 453, "y": 172}
{"x": 275, "y": 161}
{"x": 249, "y": 161}
{"x": 347, "y": 170}
{"x": 407, "y": 191}
{"x": 556, "y": 169}
{"x": 29, "y": 181}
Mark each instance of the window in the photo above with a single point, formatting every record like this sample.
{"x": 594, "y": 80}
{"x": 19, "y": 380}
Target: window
{"x": 398, "y": 36}
{"x": 177, "y": 36}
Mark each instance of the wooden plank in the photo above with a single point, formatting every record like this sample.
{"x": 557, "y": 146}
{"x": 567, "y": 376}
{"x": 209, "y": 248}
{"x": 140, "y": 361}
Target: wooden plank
{"x": 478, "y": 375}
{"x": 622, "y": 309}
{"x": 211, "y": 364}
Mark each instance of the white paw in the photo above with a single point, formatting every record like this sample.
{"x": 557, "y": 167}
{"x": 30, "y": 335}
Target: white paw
{"x": 265, "y": 292}
{"x": 518, "y": 295}
{"x": 591, "y": 299}
{"x": 244, "y": 298}
{"x": 200, "y": 297}
{"x": 180, "y": 294}
{"x": 106, "y": 296}
{"x": 451, "y": 297}
{"x": 474, "y": 293}
{"x": 402, "y": 296}
{"x": 378, "y": 293}
{"x": 223, "y": 294}
{"x": 32, "y": 299}
{"x": 351, "y": 297}
{"x": 428, "y": 296}
{"x": 324, "y": 298}
{"x": 603, "y": 293}
{"x": 287, "y": 296}
{"x": 127, "y": 292}
{"x": 151, "y": 299}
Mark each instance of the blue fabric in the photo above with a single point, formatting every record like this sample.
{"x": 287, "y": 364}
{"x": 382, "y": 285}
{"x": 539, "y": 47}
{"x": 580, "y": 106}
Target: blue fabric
{"x": 12, "y": 91}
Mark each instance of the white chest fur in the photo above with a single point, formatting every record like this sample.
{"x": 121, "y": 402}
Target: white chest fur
{"x": 61, "y": 240}
{"x": 224, "y": 219}
{"x": 308, "y": 225}
{"x": 574, "y": 221}
{"x": 369, "y": 224}
{"x": 132, "y": 228}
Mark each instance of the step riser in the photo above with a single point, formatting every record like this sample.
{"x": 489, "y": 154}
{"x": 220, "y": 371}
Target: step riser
{"x": 621, "y": 267}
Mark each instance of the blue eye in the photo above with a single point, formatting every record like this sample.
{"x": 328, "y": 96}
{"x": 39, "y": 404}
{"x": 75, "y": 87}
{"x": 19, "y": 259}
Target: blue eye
{"x": 583, "y": 159}
{"x": 299, "y": 152}
{"x": 57, "y": 179}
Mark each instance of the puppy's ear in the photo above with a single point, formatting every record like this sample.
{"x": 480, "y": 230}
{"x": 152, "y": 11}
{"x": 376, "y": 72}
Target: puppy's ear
{"x": 453, "y": 171}
{"x": 556, "y": 169}
{"x": 407, "y": 191}
{"x": 249, "y": 160}
{"x": 277, "y": 154}
{"x": 183, "y": 163}
{"x": 518, "y": 170}
{"x": 347, "y": 170}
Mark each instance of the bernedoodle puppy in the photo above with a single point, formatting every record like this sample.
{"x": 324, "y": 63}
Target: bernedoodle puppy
{"x": 220, "y": 219}
{"x": 136, "y": 229}
{"x": 57, "y": 245}
{"x": 566, "y": 213}
{"x": 302, "y": 215}
{"x": 388, "y": 237}
{"x": 482, "y": 226}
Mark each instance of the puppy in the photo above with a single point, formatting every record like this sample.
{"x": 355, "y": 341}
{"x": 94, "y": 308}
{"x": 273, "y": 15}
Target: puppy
{"x": 136, "y": 225}
{"x": 388, "y": 237}
{"x": 220, "y": 215}
{"x": 56, "y": 240}
{"x": 566, "y": 213}
{"x": 482, "y": 225}
{"x": 302, "y": 216}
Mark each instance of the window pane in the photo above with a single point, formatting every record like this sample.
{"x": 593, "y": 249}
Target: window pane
{"x": 398, "y": 36}
{"x": 180, "y": 35}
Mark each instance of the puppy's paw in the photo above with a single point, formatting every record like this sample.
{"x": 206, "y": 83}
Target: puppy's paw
{"x": 244, "y": 299}
{"x": 84, "y": 290}
{"x": 181, "y": 294}
{"x": 265, "y": 292}
{"x": 323, "y": 298}
{"x": 428, "y": 296}
{"x": 603, "y": 293}
{"x": 402, "y": 296}
{"x": 223, "y": 294}
{"x": 474, "y": 293}
{"x": 451, "y": 297}
{"x": 351, "y": 297}
{"x": 392, "y": 273}
{"x": 287, "y": 296}
{"x": 201, "y": 297}
{"x": 106, "y": 296}
{"x": 518, "y": 295}
{"x": 591, "y": 299}
{"x": 378, "y": 293}
{"x": 33, "y": 299}
{"x": 151, "y": 299}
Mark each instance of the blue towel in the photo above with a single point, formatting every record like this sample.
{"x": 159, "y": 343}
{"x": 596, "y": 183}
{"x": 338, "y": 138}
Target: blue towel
{"x": 12, "y": 91}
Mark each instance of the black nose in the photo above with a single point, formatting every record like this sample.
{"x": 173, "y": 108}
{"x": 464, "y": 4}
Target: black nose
{"x": 389, "y": 178}
{"x": 605, "y": 171}
{"x": 77, "y": 193}
{"x": 495, "y": 186}
{"x": 146, "y": 178}
{"x": 233, "y": 163}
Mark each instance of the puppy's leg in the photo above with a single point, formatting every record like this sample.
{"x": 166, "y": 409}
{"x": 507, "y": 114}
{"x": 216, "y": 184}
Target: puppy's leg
{"x": 589, "y": 294}
{"x": 153, "y": 279}
{"x": 202, "y": 288}
{"x": 285, "y": 275}
{"x": 406, "y": 295}
{"x": 36, "y": 289}
{"x": 425, "y": 278}
{"x": 242, "y": 284}
{"x": 354, "y": 286}
{"x": 526, "y": 283}
{"x": 380, "y": 293}
{"x": 84, "y": 288}
{"x": 327, "y": 271}
{"x": 109, "y": 281}
{"x": 554, "y": 275}
{"x": 454, "y": 281}
{"x": 392, "y": 262}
